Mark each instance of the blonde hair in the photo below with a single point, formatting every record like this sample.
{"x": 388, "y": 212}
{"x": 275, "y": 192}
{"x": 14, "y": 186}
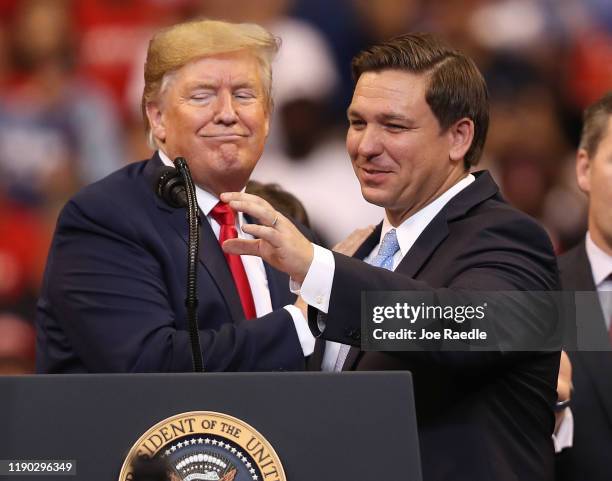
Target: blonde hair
{"x": 172, "y": 48}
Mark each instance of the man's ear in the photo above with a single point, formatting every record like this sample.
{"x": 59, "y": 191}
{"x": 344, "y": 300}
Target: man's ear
{"x": 461, "y": 135}
{"x": 267, "y": 126}
{"x": 156, "y": 121}
{"x": 268, "y": 114}
{"x": 583, "y": 171}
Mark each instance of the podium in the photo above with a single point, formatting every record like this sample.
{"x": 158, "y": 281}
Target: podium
{"x": 322, "y": 426}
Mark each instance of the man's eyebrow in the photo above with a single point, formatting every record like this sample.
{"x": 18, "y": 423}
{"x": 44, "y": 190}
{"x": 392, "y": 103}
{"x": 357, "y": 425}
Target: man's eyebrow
{"x": 205, "y": 85}
{"x": 200, "y": 85}
{"x": 395, "y": 117}
{"x": 244, "y": 84}
{"x": 383, "y": 117}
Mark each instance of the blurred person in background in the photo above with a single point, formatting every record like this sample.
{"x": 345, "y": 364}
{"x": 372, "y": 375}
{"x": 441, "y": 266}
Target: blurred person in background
{"x": 113, "y": 36}
{"x": 16, "y": 345}
{"x": 282, "y": 200}
{"x": 57, "y": 130}
{"x": 24, "y": 241}
{"x": 588, "y": 267}
{"x": 307, "y": 150}
{"x": 528, "y": 152}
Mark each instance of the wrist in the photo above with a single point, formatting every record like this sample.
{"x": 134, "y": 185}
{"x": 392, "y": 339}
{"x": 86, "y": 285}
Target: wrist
{"x": 561, "y": 405}
{"x": 303, "y": 267}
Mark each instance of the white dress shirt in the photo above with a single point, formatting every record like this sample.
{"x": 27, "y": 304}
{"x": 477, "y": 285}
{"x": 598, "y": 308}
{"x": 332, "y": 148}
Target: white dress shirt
{"x": 316, "y": 288}
{"x": 254, "y": 268}
{"x": 601, "y": 266}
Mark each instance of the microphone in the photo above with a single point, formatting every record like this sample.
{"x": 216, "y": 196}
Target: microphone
{"x": 175, "y": 186}
{"x": 170, "y": 186}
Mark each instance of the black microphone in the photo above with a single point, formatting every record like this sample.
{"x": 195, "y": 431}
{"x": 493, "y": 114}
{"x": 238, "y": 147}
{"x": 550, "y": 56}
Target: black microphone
{"x": 175, "y": 186}
{"x": 170, "y": 186}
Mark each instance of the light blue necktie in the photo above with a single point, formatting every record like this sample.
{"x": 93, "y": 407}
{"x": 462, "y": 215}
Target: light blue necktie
{"x": 384, "y": 258}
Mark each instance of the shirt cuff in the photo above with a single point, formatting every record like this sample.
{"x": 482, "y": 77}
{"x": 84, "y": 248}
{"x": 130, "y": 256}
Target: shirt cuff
{"x": 564, "y": 437}
{"x": 307, "y": 340}
{"x": 317, "y": 285}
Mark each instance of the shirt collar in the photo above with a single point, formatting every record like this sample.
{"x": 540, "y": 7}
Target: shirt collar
{"x": 409, "y": 230}
{"x": 206, "y": 200}
{"x": 601, "y": 262}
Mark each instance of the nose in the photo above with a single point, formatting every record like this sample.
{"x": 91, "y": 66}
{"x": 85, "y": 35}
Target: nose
{"x": 224, "y": 109}
{"x": 368, "y": 142}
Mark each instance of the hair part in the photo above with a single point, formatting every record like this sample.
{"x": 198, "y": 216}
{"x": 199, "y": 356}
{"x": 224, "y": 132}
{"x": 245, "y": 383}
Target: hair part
{"x": 174, "y": 47}
{"x": 594, "y": 124}
{"x": 456, "y": 87}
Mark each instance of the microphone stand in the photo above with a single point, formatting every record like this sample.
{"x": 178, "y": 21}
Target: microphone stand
{"x": 191, "y": 300}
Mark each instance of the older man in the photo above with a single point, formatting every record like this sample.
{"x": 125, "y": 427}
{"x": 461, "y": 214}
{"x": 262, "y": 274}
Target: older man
{"x": 114, "y": 289}
{"x": 588, "y": 267}
{"x": 418, "y": 122}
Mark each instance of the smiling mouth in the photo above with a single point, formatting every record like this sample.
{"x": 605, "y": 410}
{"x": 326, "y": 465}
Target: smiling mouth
{"x": 224, "y": 136}
{"x": 375, "y": 171}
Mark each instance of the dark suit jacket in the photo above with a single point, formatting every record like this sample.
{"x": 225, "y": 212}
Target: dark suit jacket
{"x": 481, "y": 416}
{"x": 113, "y": 296}
{"x": 590, "y": 458}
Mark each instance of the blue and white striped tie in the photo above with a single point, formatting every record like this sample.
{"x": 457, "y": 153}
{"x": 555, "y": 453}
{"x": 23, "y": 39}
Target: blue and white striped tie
{"x": 384, "y": 258}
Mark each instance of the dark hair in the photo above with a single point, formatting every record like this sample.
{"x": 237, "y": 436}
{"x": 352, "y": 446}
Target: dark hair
{"x": 456, "y": 87}
{"x": 594, "y": 123}
{"x": 283, "y": 201}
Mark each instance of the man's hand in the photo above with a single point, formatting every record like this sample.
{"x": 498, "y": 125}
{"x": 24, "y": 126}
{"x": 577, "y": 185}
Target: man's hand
{"x": 349, "y": 246}
{"x": 278, "y": 241}
{"x": 564, "y": 386}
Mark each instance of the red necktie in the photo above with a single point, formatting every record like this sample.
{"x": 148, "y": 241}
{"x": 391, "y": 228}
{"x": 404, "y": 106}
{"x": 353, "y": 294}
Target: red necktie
{"x": 226, "y": 218}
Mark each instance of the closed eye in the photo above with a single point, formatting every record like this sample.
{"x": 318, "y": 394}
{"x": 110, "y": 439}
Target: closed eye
{"x": 357, "y": 123}
{"x": 200, "y": 96}
{"x": 244, "y": 95}
{"x": 395, "y": 127}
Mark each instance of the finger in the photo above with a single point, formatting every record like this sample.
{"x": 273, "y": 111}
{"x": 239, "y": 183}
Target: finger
{"x": 227, "y": 197}
{"x": 266, "y": 233}
{"x": 263, "y": 212}
{"x": 249, "y": 247}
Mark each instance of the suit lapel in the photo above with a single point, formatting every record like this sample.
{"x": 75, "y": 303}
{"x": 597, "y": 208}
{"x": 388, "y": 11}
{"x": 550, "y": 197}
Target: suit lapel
{"x": 434, "y": 234}
{"x": 425, "y": 245}
{"x": 576, "y": 272}
{"x": 364, "y": 250}
{"x": 213, "y": 259}
{"x": 210, "y": 253}
{"x": 576, "y": 275}
{"x": 415, "y": 258}
{"x": 599, "y": 366}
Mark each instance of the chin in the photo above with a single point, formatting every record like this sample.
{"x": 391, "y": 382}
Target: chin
{"x": 374, "y": 196}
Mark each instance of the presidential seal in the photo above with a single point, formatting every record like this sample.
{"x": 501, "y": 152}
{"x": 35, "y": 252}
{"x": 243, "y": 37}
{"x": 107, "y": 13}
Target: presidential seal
{"x": 205, "y": 445}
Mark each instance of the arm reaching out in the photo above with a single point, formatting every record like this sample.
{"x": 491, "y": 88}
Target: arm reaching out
{"x": 278, "y": 241}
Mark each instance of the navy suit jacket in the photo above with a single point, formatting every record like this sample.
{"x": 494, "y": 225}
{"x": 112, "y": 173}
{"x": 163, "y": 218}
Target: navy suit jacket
{"x": 590, "y": 457}
{"x": 113, "y": 295}
{"x": 481, "y": 416}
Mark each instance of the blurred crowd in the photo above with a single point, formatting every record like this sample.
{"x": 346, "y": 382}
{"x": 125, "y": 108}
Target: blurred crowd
{"x": 71, "y": 81}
